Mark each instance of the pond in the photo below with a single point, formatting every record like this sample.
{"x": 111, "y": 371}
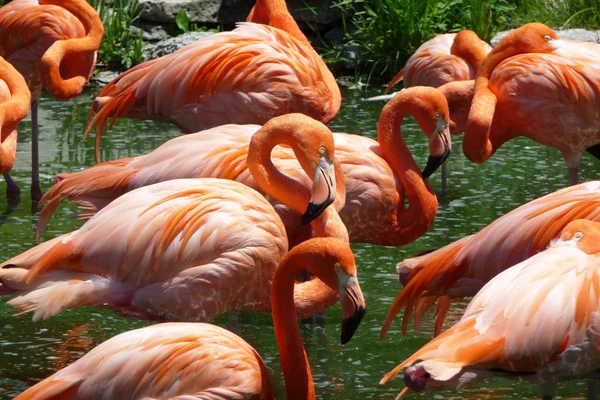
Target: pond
{"x": 477, "y": 194}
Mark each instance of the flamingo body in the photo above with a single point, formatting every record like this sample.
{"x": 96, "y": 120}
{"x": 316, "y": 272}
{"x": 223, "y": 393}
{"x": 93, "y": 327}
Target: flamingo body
{"x": 463, "y": 267}
{"x": 537, "y": 321}
{"x": 246, "y": 76}
{"x": 162, "y": 361}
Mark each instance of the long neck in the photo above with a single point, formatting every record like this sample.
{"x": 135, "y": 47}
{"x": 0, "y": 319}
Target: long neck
{"x": 469, "y": 47}
{"x": 83, "y": 50}
{"x": 276, "y": 14}
{"x": 329, "y": 224}
{"x": 408, "y": 223}
{"x": 296, "y": 369}
{"x": 459, "y": 95}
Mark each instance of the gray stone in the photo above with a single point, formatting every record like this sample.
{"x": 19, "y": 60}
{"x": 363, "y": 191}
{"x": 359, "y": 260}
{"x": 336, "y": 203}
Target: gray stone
{"x": 335, "y": 35}
{"x": 570, "y": 34}
{"x": 103, "y": 77}
{"x": 149, "y": 34}
{"x": 231, "y": 11}
{"x": 168, "y": 46}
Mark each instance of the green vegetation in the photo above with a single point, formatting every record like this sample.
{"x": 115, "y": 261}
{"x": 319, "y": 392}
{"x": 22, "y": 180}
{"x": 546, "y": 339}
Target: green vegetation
{"x": 389, "y": 31}
{"x": 120, "y": 49}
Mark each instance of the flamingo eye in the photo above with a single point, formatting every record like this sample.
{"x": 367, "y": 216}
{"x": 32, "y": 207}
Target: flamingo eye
{"x": 577, "y": 235}
{"x": 322, "y": 150}
{"x": 547, "y": 38}
{"x": 337, "y": 268}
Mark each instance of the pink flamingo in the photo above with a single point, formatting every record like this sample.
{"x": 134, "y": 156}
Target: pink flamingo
{"x": 537, "y": 321}
{"x": 177, "y": 360}
{"x": 53, "y": 44}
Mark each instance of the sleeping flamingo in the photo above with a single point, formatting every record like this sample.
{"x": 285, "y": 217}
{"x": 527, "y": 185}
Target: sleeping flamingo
{"x": 377, "y": 175}
{"x": 53, "y": 44}
{"x": 445, "y": 58}
{"x": 185, "y": 249}
{"x": 463, "y": 267}
{"x": 203, "y": 361}
{"x": 246, "y": 76}
{"x": 537, "y": 321}
{"x": 552, "y": 96}
{"x": 14, "y": 106}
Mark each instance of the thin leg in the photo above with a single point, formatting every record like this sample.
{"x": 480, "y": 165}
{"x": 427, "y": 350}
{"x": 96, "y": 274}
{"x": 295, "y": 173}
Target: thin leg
{"x": 232, "y": 321}
{"x": 573, "y": 176}
{"x": 36, "y": 190}
{"x": 12, "y": 189}
{"x": 444, "y": 177}
{"x": 592, "y": 388}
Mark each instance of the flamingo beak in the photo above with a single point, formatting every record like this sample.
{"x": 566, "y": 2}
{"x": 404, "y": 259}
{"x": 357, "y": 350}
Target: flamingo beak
{"x": 322, "y": 193}
{"x": 440, "y": 148}
{"x": 353, "y": 305}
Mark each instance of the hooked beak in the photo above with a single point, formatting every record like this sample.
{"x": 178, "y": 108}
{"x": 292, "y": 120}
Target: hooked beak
{"x": 437, "y": 158}
{"x": 322, "y": 193}
{"x": 353, "y": 305}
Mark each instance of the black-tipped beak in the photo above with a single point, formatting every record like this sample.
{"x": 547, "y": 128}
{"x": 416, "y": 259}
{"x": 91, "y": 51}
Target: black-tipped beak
{"x": 314, "y": 210}
{"x": 350, "y": 325}
{"x": 434, "y": 162}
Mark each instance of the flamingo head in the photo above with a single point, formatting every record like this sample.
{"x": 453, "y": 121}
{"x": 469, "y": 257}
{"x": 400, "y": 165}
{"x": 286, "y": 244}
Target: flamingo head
{"x": 584, "y": 234}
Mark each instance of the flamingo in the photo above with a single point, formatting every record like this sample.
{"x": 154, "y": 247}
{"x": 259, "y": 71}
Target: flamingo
{"x": 376, "y": 174}
{"x": 184, "y": 249}
{"x": 463, "y": 267}
{"x": 551, "y": 96}
{"x": 203, "y": 361}
{"x": 537, "y": 321}
{"x": 14, "y": 106}
{"x": 246, "y": 76}
{"x": 445, "y": 58}
{"x": 53, "y": 44}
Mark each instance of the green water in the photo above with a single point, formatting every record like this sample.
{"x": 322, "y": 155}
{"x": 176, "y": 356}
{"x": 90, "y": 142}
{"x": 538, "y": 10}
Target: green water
{"x": 519, "y": 172}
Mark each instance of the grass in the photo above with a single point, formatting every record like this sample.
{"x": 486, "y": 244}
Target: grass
{"x": 119, "y": 48}
{"x": 389, "y": 31}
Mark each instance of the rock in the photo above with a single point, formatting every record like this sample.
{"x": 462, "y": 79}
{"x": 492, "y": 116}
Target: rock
{"x": 570, "y": 34}
{"x": 335, "y": 35}
{"x": 153, "y": 33}
{"x": 167, "y": 46}
{"x": 104, "y": 77}
{"x": 231, "y": 11}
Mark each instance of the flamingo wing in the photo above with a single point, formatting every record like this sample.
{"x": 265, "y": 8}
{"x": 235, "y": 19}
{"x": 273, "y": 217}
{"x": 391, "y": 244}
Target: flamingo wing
{"x": 522, "y": 321}
{"x": 191, "y": 360}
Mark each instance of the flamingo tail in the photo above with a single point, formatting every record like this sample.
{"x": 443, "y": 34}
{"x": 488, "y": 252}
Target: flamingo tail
{"x": 396, "y": 79}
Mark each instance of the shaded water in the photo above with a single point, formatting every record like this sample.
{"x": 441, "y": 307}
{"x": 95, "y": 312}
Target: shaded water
{"x": 519, "y": 172}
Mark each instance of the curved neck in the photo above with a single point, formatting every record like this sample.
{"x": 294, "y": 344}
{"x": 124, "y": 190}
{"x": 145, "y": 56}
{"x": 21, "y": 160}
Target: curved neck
{"x": 408, "y": 223}
{"x": 8, "y": 149}
{"x": 329, "y": 224}
{"x": 82, "y": 48}
{"x": 296, "y": 369}
{"x": 276, "y": 14}
{"x": 459, "y": 95}
{"x": 469, "y": 47}
{"x": 16, "y": 108}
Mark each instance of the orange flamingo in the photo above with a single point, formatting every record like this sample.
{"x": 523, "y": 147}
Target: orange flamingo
{"x": 551, "y": 97}
{"x": 185, "y": 249}
{"x": 537, "y": 321}
{"x": 205, "y": 361}
{"x": 14, "y": 106}
{"x": 445, "y": 58}
{"x": 374, "y": 209}
{"x": 462, "y": 268}
{"x": 53, "y": 44}
{"x": 246, "y": 76}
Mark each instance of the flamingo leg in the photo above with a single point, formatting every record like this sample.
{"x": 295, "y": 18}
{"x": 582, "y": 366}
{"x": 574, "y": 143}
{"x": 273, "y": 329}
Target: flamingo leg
{"x": 12, "y": 189}
{"x": 592, "y": 389}
{"x": 444, "y": 177}
{"x": 573, "y": 176}
{"x": 36, "y": 191}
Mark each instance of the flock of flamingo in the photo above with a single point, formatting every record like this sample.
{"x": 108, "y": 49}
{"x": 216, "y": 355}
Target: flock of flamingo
{"x": 227, "y": 218}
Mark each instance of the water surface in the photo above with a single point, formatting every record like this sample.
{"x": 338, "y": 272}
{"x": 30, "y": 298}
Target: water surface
{"x": 519, "y": 172}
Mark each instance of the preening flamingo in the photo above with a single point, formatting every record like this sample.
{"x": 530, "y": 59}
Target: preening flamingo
{"x": 203, "y": 361}
{"x": 246, "y": 76}
{"x": 537, "y": 321}
{"x": 14, "y": 106}
{"x": 53, "y": 44}
{"x": 552, "y": 97}
{"x": 377, "y": 175}
{"x": 185, "y": 249}
{"x": 463, "y": 267}
{"x": 445, "y": 58}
